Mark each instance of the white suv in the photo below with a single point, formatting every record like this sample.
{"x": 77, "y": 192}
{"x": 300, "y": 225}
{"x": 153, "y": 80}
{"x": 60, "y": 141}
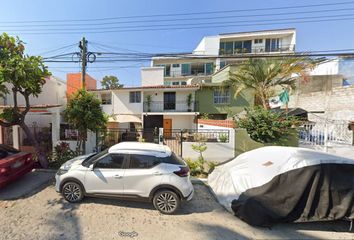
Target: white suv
{"x": 128, "y": 170}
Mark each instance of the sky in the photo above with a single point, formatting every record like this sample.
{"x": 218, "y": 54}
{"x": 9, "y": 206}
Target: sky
{"x": 311, "y": 36}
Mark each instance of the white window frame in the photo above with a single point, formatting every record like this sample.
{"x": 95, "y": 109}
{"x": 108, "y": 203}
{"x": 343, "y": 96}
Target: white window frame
{"x": 221, "y": 96}
{"x": 107, "y": 100}
{"x": 135, "y": 99}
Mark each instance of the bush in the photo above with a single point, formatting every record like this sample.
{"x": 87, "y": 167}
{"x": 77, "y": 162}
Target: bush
{"x": 61, "y": 154}
{"x": 265, "y": 126}
{"x": 198, "y": 167}
{"x": 223, "y": 137}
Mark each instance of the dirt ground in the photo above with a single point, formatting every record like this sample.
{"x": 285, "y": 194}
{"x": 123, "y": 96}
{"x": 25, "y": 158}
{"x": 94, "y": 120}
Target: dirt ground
{"x": 45, "y": 215}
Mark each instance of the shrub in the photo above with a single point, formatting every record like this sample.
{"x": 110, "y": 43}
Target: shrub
{"x": 61, "y": 154}
{"x": 265, "y": 126}
{"x": 223, "y": 137}
{"x": 198, "y": 167}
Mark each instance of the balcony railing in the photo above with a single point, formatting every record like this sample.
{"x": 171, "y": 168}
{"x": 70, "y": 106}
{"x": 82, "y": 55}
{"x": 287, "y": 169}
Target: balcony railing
{"x": 258, "y": 50}
{"x": 178, "y": 106}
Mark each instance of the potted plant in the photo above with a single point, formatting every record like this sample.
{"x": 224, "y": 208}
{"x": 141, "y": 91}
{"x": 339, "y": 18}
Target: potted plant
{"x": 189, "y": 102}
{"x": 148, "y": 102}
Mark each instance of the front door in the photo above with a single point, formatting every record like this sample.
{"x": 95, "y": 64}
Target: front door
{"x": 107, "y": 175}
{"x": 167, "y": 128}
{"x": 169, "y": 101}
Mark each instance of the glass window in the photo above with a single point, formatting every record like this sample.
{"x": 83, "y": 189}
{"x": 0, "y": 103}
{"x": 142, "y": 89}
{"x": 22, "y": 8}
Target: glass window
{"x": 106, "y": 98}
{"x": 258, "y": 41}
{"x": 272, "y": 44}
{"x": 222, "y": 48}
{"x": 247, "y": 46}
{"x": 110, "y": 161}
{"x": 238, "y": 47}
{"x": 175, "y": 83}
{"x": 175, "y": 65}
{"x": 208, "y": 68}
{"x": 135, "y": 97}
{"x": 223, "y": 64}
{"x": 183, "y": 83}
{"x": 221, "y": 96}
{"x": 186, "y": 69}
{"x": 173, "y": 159}
{"x": 229, "y": 47}
{"x": 143, "y": 161}
{"x": 168, "y": 70}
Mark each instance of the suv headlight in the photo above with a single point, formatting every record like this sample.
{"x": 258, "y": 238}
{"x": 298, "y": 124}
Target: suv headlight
{"x": 61, "y": 171}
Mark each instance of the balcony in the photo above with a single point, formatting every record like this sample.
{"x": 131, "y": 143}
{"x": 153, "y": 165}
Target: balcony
{"x": 178, "y": 106}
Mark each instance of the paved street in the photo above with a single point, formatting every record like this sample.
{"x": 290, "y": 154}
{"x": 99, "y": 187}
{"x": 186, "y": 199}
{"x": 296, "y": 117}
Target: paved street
{"x": 45, "y": 215}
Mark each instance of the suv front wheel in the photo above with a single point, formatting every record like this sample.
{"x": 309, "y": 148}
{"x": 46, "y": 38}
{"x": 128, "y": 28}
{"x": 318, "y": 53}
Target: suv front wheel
{"x": 72, "y": 192}
{"x": 166, "y": 201}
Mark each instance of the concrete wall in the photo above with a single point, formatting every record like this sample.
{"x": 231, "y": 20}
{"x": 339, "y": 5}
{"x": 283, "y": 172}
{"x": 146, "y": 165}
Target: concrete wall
{"x": 181, "y": 121}
{"x": 53, "y": 92}
{"x": 74, "y": 82}
{"x": 121, "y": 104}
{"x": 152, "y": 76}
{"x": 205, "y": 98}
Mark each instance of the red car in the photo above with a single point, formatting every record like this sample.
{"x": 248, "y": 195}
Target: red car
{"x": 13, "y": 164}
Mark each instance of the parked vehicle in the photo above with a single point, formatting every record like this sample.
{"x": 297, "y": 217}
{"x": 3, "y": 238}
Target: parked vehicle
{"x": 13, "y": 164}
{"x": 276, "y": 184}
{"x": 132, "y": 170}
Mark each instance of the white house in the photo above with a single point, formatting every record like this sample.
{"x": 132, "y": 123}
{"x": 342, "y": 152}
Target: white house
{"x": 44, "y": 116}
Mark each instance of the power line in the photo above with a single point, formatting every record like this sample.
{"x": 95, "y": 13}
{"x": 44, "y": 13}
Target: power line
{"x": 179, "y": 19}
{"x": 189, "y": 25}
{"x": 187, "y": 14}
{"x": 184, "y": 28}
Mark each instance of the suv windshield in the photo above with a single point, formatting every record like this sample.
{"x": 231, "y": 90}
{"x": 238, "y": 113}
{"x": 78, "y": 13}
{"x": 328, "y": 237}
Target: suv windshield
{"x": 88, "y": 161}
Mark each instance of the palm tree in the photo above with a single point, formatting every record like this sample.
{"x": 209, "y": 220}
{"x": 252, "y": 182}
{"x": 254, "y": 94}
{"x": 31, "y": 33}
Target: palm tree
{"x": 264, "y": 75}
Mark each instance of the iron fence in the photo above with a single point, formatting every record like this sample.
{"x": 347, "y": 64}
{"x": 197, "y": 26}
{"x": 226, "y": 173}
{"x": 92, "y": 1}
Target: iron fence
{"x": 176, "y": 106}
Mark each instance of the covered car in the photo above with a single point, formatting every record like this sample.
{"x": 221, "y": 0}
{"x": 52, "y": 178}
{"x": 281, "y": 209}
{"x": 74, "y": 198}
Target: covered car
{"x": 275, "y": 184}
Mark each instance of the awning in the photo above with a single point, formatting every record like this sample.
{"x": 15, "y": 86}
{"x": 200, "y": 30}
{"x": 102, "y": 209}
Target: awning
{"x": 124, "y": 118}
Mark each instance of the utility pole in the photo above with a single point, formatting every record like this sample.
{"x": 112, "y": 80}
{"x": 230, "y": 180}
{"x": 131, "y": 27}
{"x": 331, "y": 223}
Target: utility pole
{"x": 83, "y": 47}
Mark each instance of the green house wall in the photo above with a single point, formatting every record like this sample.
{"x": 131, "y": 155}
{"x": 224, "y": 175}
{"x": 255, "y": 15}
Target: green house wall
{"x": 205, "y": 96}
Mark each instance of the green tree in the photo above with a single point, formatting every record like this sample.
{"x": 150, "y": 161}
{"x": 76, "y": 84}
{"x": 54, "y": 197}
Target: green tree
{"x": 110, "y": 82}
{"x": 20, "y": 75}
{"x": 264, "y": 75}
{"x": 83, "y": 112}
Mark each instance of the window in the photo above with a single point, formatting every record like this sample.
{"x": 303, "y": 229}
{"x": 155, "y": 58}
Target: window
{"x": 173, "y": 159}
{"x": 223, "y": 64}
{"x": 183, "y": 83}
{"x": 106, "y": 98}
{"x": 228, "y": 47}
{"x": 272, "y": 44}
{"x": 135, "y": 97}
{"x": 143, "y": 161}
{"x": 221, "y": 96}
{"x": 175, "y": 83}
{"x": 175, "y": 65}
{"x": 208, "y": 68}
{"x": 110, "y": 161}
{"x": 186, "y": 69}
{"x": 258, "y": 41}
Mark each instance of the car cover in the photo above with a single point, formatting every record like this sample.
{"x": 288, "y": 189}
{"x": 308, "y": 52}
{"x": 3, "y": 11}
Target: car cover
{"x": 285, "y": 184}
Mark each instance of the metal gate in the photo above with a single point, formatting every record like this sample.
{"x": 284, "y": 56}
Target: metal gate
{"x": 173, "y": 139}
{"x": 116, "y": 135}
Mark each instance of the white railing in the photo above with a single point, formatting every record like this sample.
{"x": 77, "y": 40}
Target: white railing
{"x": 325, "y": 133}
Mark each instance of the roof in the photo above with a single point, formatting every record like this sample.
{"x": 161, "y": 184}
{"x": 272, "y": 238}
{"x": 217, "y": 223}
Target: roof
{"x": 152, "y": 87}
{"x": 140, "y": 147}
{"x": 259, "y": 31}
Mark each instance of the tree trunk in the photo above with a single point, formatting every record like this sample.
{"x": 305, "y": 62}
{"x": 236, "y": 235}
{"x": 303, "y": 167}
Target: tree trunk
{"x": 41, "y": 157}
